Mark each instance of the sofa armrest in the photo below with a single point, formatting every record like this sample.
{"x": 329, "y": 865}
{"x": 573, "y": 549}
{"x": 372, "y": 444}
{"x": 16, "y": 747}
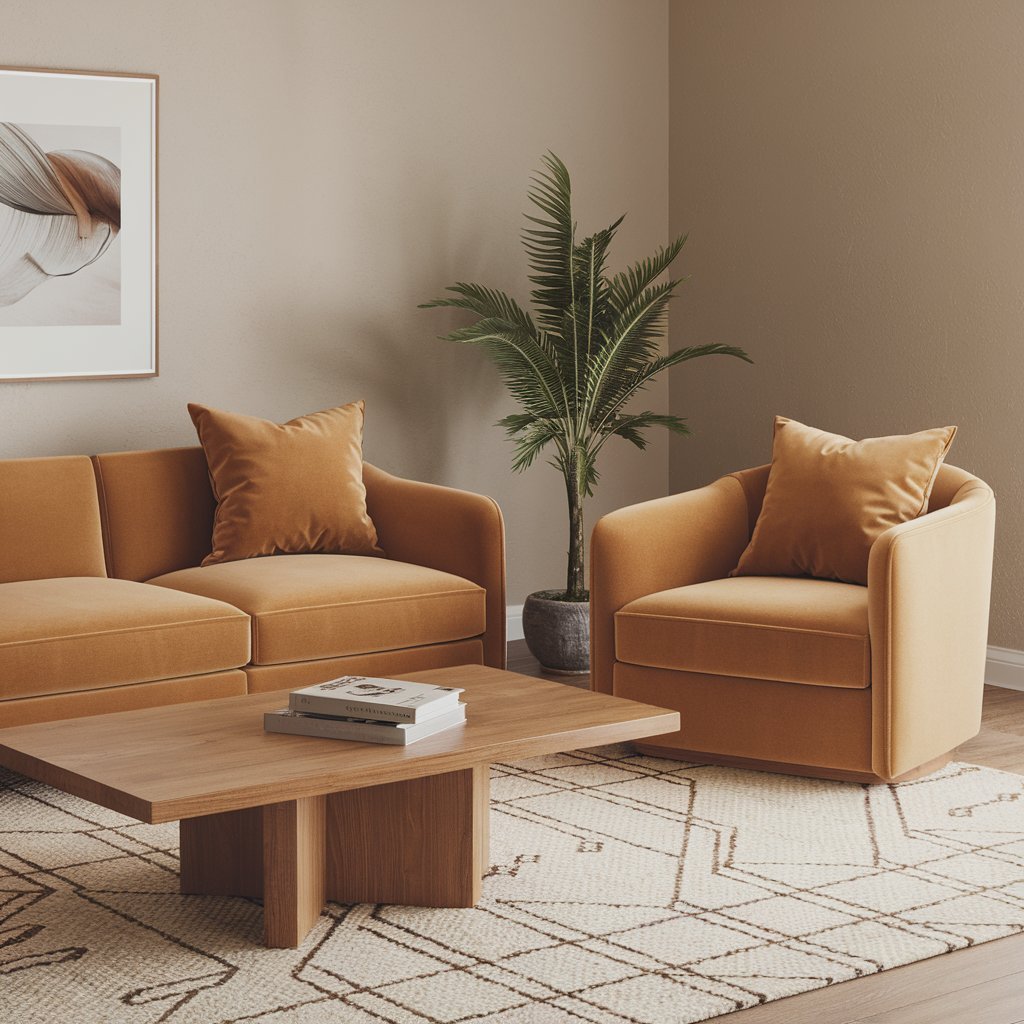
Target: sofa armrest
{"x": 929, "y": 582}
{"x": 446, "y": 529}
{"x": 670, "y": 542}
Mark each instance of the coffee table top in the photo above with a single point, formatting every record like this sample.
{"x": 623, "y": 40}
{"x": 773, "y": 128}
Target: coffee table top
{"x": 185, "y": 760}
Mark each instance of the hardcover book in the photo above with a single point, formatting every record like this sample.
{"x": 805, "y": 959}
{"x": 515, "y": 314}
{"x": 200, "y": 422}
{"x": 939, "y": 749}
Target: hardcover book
{"x": 396, "y": 733}
{"x": 386, "y": 700}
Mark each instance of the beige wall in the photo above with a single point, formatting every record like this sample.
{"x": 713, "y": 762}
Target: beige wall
{"x": 852, "y": 175}
{"x": 325, "y": 166}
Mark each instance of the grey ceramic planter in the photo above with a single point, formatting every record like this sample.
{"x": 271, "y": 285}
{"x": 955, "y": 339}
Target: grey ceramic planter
{"x": 558, "y": 632}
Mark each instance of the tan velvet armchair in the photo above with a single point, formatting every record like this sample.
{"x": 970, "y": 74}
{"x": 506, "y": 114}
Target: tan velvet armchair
{"x": 812, "y": 677}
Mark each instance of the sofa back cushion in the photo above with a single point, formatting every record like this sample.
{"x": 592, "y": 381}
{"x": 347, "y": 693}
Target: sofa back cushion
{"x": 830, "y": 497}
{"x": 157, "y": 511}
{"x": 292, "y": 488}
{"x": 49, "y": 519}
{"x": 948, "y": 481}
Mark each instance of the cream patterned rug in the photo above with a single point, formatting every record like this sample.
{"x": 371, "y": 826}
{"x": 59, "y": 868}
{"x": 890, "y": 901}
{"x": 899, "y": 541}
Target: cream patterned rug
{"x": 623, "y": 889}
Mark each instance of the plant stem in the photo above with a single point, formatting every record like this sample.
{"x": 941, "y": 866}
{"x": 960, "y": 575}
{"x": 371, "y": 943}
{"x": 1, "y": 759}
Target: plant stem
{"x": 574, "y": 584}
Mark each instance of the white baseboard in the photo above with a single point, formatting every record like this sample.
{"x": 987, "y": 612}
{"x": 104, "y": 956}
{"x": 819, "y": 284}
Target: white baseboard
{"x": 1005, "y": 667}
{"x": 514, "y": 622}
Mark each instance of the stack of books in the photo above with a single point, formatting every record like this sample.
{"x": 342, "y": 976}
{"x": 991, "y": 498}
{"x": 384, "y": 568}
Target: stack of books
{"x": 369, "y": 709}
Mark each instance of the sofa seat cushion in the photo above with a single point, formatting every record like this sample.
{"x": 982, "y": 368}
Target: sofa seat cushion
{"x": 326, "y": 606}
{"x": 796, "y": 630}
{"x": 83, "y": 633}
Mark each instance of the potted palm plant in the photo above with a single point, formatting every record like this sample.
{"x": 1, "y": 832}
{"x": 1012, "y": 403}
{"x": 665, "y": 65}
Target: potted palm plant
{"x": 574, "y": 368}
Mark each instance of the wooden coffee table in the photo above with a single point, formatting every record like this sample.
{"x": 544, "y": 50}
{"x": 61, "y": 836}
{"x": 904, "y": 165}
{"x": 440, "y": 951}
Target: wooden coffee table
{"x": 296, "y": 820}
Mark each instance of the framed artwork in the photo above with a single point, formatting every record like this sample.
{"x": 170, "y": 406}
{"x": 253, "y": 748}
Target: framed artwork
{"x": 78, "y": 225}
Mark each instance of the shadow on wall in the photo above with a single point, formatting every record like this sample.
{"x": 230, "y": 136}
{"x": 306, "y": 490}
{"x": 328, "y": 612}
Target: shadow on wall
{"x": 425, "y": 397}
{"x": 421, "y": 395}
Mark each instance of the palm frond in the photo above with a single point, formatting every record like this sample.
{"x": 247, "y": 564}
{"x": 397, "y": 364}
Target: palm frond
{"x": 631, "y": 343}
{"x": 530, "y": 374}
{"x": 684, "y": 355}
{"x": 583, "y": 321}
{"x": 625, "y": 387}
{"x": 485, "y": 302}
{"x": 631, "y": 427}
{"x": 517, "y": 422}
{"x": 627, "y": 286}
{"x": 592, "y": 306}
{"x": 550, "y": 245}
{"x": 533, "y": 440}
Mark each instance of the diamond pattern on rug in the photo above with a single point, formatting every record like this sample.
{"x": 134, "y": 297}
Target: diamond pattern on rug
{"x": 622, "y": 890}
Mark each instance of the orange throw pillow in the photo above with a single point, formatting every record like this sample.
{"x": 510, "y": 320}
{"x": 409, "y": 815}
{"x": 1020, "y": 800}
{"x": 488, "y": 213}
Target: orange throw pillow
{"x": 828, "y": 498}
{"x": 286, "y": 489}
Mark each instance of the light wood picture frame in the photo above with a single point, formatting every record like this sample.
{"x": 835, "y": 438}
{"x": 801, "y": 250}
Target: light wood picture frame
{"x": 78, "y": 224}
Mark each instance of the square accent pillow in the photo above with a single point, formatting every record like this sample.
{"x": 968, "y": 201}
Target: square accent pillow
{"x": 828, "y": 498}
{"x": 293, "y": 488}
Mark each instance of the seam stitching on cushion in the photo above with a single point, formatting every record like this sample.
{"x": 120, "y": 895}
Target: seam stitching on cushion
{"x": 371, "y": 601}
{"x": 745, "y": 625}
{"x": 739, "y": 675}
{"x": 101, "y": 495}
{"x": 439, "y": 644}
{"x": 935, "y": 474}
{"x": 122, "y": 686}
{"x": 361, "y": 654}
{"x": 866, "y": 667}
{"x": 947, "y": 521}
{"x": 118, "y": 632}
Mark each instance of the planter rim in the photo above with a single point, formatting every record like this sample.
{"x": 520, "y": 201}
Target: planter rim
{"x": 542, "y": 596}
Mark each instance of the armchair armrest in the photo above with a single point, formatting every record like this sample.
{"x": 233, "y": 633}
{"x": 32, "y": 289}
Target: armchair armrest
{"x": 670, "y": 542}
{"x": 928, "y": 599}
{"x": 446, "y": 529}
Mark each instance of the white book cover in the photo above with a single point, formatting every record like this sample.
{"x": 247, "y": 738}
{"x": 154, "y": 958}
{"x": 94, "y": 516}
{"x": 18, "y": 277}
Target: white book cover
{"x": 389, "y": 700}
{"x": 400, "y": 734}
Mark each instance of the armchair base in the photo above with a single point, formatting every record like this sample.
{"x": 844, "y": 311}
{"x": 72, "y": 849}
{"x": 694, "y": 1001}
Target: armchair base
{"x": 782, "y": 768}
{"x": 757, "y": 720}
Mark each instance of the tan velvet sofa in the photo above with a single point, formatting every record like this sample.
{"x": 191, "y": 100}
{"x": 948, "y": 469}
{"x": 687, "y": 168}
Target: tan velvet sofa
{"x": 801, "y": 675}
{"x": 104, "y": 605}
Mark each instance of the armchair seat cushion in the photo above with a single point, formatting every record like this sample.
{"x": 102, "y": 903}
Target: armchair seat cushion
{"x": 85, "y": 633}
{"x": 305, "y": 607}
{"x": 795, "y": 630}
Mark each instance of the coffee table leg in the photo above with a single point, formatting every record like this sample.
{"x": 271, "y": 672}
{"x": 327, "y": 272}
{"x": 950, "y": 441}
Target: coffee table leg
{"x": 222, "y": 854}
{"x": 275, "y": 852}
{"x": 422, "y": 842}
{"x": 293, "y": 870}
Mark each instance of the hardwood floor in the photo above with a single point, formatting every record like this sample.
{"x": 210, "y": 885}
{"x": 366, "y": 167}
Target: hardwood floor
{"x": 980, "y": 985}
